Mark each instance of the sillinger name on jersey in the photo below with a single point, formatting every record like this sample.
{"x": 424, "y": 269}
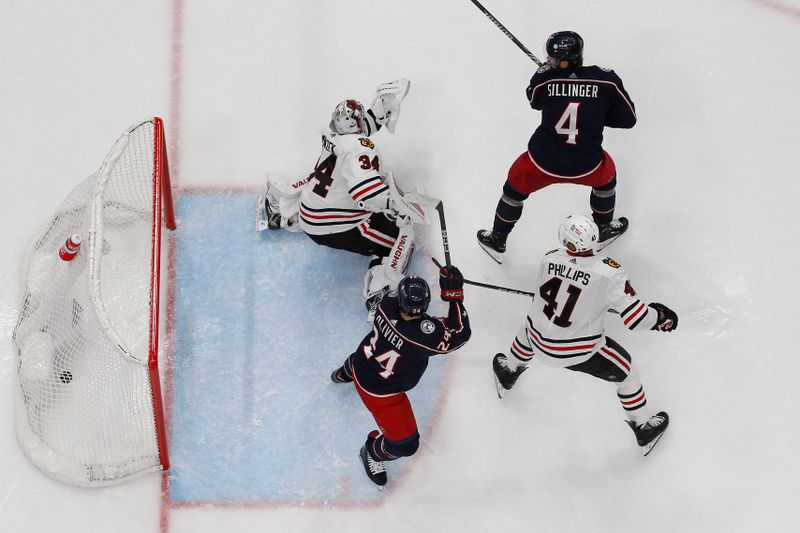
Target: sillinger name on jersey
{"x": 582, "y": 90}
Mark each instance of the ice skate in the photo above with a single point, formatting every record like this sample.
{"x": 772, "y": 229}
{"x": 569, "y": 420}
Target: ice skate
{"x": 505, "y": 378}
{"x": 340, "y": 376}
{"x": 611, "y": 232}
{"x": 649, "y": 433}
{"x": 376, "y": 471}
{"x": 268, "y": 215}
{"x": 493, "y": 244}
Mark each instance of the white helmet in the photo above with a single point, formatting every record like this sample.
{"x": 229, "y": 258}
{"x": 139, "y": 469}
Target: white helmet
{"x": 348, "y": 117}
{"x": 578, "y": 233}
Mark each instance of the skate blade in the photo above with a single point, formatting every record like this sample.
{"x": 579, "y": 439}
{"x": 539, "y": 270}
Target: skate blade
{"x": 500, "y": 389}
{"x": 494, "y": 254}
{"x": 646, "y": 449}
{"x": 606, "y": 242}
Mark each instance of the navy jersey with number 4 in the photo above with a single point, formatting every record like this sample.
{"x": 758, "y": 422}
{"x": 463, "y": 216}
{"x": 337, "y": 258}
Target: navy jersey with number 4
{"x": 395, "y": 355}
{"x": 576, "y": 104}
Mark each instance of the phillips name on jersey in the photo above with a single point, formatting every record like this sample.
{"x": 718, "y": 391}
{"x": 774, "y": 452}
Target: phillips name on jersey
{"x": 566, "y": 321}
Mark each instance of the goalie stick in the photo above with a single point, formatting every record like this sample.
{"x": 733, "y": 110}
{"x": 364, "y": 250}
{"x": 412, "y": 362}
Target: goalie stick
{"x": 489, "y": 286}
{"x": 508, "y": 33}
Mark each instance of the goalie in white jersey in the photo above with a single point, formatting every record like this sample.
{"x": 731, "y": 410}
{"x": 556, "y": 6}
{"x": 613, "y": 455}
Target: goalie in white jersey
{"x": 565, "y": 324}
{"x": 347, "y": 202}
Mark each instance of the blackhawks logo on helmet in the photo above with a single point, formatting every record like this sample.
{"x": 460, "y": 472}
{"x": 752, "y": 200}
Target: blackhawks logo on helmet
{"x": 610, "y": 262}
{"x": 366, "y": 142}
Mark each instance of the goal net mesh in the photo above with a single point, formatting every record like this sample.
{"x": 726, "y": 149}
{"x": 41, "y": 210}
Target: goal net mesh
{"x": 86, "y": 412}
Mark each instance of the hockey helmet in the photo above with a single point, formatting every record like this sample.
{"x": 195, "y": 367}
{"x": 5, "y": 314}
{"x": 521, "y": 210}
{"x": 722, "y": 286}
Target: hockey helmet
{"x": 565, "y": 46}
{"x": 349, "y": 117}
{"x": 578, "y": 234}
{"x": 413, "y": 295}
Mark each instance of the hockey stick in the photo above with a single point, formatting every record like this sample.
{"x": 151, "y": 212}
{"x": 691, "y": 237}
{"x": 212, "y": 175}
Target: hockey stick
{"x": 445, "y": 242}
{"x": 488, "y": 286}
{"x": 508, "y": 33}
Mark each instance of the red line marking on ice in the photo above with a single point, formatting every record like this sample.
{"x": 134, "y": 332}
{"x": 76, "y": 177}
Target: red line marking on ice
{"x": 780, "y": 7}
{"x": 176, "y": 79}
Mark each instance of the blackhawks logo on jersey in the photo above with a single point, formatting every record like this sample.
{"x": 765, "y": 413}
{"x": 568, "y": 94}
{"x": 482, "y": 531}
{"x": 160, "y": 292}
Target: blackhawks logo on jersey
{"x": 610, "y": 262}
{"x": 366, "y": 142}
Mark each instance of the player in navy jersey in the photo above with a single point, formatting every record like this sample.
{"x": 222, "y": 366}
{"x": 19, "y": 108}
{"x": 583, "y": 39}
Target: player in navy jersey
{"x": 391, "y": 360}
{"x": 576, "y": 102}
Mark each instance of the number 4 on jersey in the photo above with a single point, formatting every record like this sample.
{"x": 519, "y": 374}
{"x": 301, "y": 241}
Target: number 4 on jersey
{"x": 568, "y": 122}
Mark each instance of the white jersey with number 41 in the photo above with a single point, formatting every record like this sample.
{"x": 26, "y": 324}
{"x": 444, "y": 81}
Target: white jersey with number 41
{"x": 566, "y": 320}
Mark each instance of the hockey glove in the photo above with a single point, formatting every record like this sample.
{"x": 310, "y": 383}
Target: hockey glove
{"x": 388, "y": 99}
{"x": 452, "y": 283}
{"x": 667, "y": 318}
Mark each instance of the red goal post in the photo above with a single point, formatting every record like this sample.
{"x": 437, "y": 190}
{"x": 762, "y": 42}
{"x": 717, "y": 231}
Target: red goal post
{"x": 89, "y": 405}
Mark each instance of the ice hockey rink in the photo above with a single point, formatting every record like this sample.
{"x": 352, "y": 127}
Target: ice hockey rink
{"x": 260, "y": 439}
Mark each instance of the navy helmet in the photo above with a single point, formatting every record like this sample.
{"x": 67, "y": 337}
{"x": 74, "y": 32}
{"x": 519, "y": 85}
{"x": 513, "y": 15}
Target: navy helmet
{"x": 413, "y": 295}
{"x": 565, "y": 46}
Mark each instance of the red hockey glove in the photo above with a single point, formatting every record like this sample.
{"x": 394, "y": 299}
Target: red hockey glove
{"x": 452, "y": 283}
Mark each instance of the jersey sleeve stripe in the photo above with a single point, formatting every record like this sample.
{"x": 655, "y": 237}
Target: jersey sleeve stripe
{"x": 363, "y": 183}
{"x": 635, "y": 314}
{"x": 639, "y": 320}
{"x": 374, "y": 194}
{"x": 628, "y": 309}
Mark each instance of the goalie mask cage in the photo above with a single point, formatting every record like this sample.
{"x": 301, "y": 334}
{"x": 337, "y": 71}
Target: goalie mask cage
{"x": 89, "y": 410}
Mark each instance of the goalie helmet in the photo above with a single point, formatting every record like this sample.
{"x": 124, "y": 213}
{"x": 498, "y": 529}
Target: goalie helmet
{"x": 413, "y": 295}
{"x": 565, "y": 46}
{"x": 578, "y": 234}
{"x": 349, "y": 117}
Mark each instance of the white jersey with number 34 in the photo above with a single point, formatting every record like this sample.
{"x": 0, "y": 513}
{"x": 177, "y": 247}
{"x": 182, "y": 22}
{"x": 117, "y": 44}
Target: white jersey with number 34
{"x": 346, "y": 186}
{"x": 566, "y": 320}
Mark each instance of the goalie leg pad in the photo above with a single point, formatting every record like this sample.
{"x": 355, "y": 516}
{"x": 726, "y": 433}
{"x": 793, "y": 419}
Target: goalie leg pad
{"x": 279, "y": 206}
{"x": 393, "y": 267}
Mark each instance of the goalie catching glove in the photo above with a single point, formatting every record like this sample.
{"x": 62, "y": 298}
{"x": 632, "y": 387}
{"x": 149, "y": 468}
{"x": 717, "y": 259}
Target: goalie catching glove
{"x": 451, "y": 282}
{"x": 388, "y": 99}
{"x": 667, "y": 318}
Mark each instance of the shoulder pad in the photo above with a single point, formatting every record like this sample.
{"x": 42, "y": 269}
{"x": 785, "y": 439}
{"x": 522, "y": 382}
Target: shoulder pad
{"x": 610, "y": 262}
{"x": 551, "y": 252}
{"x": 544, "y": 68}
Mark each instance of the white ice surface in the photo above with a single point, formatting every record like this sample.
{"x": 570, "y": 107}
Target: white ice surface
{"x": 708, "y": 178}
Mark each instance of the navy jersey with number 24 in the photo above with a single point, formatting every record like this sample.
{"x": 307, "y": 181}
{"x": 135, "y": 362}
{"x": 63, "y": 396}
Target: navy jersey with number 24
{"x": 393, "y": 357}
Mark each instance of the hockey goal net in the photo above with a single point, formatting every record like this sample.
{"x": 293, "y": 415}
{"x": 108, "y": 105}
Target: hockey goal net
{"x": 89, "y": 408}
